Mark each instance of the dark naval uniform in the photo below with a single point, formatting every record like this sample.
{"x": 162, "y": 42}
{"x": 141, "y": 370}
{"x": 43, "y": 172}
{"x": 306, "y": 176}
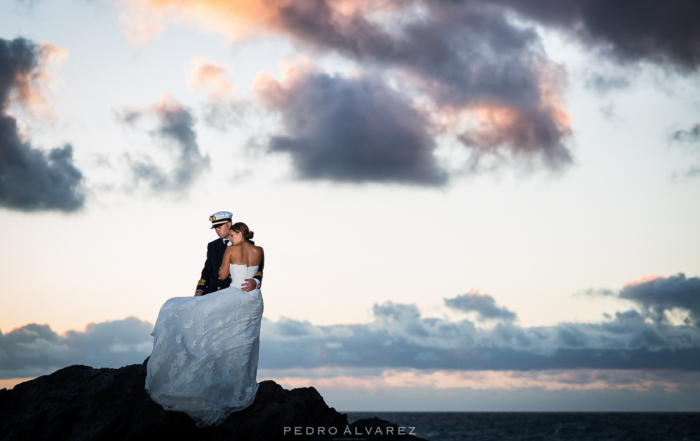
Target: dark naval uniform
{"x": 209, "y": 282}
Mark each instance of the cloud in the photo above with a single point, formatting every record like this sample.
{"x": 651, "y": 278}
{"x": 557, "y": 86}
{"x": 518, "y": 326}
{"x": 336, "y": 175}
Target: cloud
{"x": 483, "y": 304}
{"x": 692, "y": 135}
{"x": 667, "y": 33}
{"x": 468, "y": 58}
{"x": 209, "y": 75}
{"x": 143, "y": 19}
{"x": 597, "y": 292}
{"x": 400, "y": 338}
{"x": 25, "y": 71}
{"x": 604, "y": 84}
{"x": 175, "y": 131}
{"x": 222, "y": 111}
{"x": 477, "y": 67}
{"x": 609, "y": 112}
{"x": 693, "y": 171}
{"x": 129, "y": 116}
{"x": 659, "y": 296}
{"x": 31, "y": 179}
{"x": 33, "y": 350}
{"x": 691, "y": 139}
{"x": 486, "y": 81}
{"x": 349, "y": 129}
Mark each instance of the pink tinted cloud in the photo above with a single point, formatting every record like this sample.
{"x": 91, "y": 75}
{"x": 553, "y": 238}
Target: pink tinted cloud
{"x": 489, "y": 82}
{"x": 642, "y": 280}
{"x": 210, "y": 76}
{"x": 29, "y": 87}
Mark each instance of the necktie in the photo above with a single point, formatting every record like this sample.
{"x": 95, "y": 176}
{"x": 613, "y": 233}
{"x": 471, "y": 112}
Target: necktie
{"x": 226, "y": 242}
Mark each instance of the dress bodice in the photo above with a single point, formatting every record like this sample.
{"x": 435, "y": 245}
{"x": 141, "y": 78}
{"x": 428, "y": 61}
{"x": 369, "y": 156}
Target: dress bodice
{"x": 240, "y": 272}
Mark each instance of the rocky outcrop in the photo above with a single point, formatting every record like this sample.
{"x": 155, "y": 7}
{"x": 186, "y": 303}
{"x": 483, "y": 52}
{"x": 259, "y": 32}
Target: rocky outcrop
{"x": 83, "y": 403}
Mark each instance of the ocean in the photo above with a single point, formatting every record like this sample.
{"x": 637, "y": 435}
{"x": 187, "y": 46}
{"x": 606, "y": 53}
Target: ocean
{"x": 541, "y": 426}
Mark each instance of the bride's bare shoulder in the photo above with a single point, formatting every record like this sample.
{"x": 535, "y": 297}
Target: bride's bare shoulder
{"x": 233, "y": 250}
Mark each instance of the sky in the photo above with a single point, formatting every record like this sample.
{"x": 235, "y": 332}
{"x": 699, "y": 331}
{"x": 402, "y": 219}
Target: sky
{"x": 464, "y": 205}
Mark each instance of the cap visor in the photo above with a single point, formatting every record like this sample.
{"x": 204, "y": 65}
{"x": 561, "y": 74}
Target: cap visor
{"x": 220, "y": 222}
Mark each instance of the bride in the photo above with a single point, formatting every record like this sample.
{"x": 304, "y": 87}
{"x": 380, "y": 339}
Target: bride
{"x": 205, "y": 350}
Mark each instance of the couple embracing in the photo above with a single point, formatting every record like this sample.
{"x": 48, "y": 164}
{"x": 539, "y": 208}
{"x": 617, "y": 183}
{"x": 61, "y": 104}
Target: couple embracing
{"x": 205, "y": 350}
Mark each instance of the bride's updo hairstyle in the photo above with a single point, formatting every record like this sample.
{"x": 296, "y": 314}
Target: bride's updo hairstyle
{"x": 240, "y": 227}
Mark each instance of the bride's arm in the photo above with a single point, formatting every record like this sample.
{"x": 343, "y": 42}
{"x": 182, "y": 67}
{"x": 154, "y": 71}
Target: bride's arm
{"x": 224, "y": 270}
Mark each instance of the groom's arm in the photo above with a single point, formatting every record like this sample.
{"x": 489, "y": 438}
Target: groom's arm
{"x": 259, "y": 274}
{"x": 206, "y": 276}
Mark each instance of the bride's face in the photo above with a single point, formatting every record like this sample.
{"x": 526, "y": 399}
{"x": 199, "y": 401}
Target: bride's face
{"x": 236, "y": 238}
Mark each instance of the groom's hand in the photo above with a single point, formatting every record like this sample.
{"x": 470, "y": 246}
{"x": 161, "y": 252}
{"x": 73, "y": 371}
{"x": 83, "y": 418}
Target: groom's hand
{"x": 249, "y": 285}
{"x": 198, "y": 293}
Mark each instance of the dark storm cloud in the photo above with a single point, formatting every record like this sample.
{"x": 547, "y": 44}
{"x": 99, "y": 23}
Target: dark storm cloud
{"x": 470, "y": 53}
{"x": 658, "y": 296}
{"x": 630, "y": 30}
{"x": 351, "y": 130}
{"x": 31, "y": 179}
{"x": 483, "y": 304}
{"x": 466, "y": 57}
{"x": 33, "y": 349}
{"x": 175, "y": 131}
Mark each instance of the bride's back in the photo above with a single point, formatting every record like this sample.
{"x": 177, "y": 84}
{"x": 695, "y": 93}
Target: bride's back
{"x": 244, "y": 261}
{"x": 244, "y": 258}
{"x": 246, "y": 254}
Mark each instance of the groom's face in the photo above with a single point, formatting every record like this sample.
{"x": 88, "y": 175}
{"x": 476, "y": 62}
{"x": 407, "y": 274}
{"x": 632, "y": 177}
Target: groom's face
{"x": 223, "y": 229}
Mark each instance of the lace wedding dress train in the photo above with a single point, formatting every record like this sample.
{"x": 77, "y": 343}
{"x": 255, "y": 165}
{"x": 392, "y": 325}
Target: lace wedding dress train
{"x": 205, "y": 352}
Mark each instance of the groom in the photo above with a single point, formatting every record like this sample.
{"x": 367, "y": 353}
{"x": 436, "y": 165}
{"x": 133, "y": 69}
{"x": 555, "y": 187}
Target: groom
{"x": 209, "y": 282}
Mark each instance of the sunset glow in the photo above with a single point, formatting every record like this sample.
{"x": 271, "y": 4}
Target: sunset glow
{"x": 464, "y": 206}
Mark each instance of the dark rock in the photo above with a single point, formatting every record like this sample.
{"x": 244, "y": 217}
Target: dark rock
{"x": 82, "y": 403}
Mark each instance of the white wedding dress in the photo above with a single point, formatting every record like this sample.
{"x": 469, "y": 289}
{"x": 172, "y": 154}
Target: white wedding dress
{"x": 205, "y": 352}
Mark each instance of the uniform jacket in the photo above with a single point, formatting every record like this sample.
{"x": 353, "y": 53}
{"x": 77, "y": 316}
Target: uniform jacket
{"x": 209, "y": 282}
